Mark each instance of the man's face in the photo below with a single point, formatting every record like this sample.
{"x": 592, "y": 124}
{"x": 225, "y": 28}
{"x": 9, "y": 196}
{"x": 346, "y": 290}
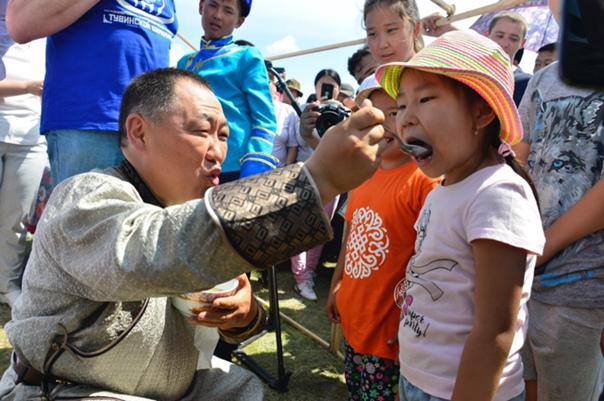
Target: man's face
{"x": 365, "y": 68}
{"x": 219, "y": 18}
{"x": 543, "y": 59}
{"x": 184, "y": 150}
{"x": 508, "y": 34}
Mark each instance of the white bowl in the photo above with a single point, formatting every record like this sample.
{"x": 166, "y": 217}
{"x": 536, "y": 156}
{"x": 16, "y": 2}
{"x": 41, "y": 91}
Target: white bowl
{"x": 192, "y": 303}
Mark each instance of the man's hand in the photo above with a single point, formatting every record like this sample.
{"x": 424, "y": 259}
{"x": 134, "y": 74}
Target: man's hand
{"x": 235, "y": 311}
{"x": 349, "y": 152}
{"x": 431, "y": 28}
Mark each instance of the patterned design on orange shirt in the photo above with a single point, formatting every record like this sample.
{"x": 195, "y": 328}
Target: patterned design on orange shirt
{"x": 367, "y": 245}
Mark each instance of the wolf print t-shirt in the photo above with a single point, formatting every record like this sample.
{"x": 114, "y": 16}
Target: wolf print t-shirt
{"x": 564, "y": 127}
{"x": 494, "y": 203}
{"x": 380, "y": 214}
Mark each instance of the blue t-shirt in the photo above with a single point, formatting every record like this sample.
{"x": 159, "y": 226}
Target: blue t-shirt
{"x": 90, "y": 63}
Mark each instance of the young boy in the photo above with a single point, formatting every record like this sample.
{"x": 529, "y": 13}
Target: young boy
{"x": 239, "y": 79}
{"x": 564, "y": 145}
{"x": 379, "y": 239}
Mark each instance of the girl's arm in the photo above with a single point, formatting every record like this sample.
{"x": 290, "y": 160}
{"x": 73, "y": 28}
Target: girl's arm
{"x": 32, "y": 19}
{"x": 14, "y": 87}
{"x": 583, "y": 218}
{"x": 499, "y": 277}
{"x": 336, "y": 280}
{"x": 292, "y": 154}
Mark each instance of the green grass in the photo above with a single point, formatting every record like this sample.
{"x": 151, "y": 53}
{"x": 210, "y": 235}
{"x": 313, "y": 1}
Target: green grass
{"x": 316, "y": 373}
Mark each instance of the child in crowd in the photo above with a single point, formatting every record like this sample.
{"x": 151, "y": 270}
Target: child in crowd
{"x": 362, "y": 64}
{"x": 545, "y": 56}
{"x": 465, "y": 293}
{"x": 239, "y": 79}
{"x": 393, "y": 29}
{"x": 379, "y": 239}
{"x": 379, "y": 235}
{"x": 564, "y": 145}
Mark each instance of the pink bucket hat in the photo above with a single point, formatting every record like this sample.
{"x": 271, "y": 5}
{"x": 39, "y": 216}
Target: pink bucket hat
{"x": 473, "y": 60}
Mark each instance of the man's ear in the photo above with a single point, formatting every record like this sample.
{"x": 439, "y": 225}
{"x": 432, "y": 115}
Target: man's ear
{"x": 135, "y": 131}
{"x": 200, "y": 6}
{"x": 523, "y": 42}
{"x": 240, "y": 22}
{"x": 483, "y": 114}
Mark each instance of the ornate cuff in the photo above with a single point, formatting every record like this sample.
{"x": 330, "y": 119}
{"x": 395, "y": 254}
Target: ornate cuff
{"x": 270, "y": 217}
{"x": 238, "y": 335}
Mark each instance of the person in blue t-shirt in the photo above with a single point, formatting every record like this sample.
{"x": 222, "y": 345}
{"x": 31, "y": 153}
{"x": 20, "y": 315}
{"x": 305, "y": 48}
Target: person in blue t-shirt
{"x": 94, "y": 48}
{"x": 239, "y": 79}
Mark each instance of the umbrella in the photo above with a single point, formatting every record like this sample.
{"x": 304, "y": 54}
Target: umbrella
{"x": 542, "y": 30}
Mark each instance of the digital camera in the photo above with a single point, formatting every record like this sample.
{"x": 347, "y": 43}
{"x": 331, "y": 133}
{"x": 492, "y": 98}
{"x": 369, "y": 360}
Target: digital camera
{"x": 332, "y": 113}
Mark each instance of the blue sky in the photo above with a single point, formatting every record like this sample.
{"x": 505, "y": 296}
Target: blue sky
{"x": 283, "y": 26}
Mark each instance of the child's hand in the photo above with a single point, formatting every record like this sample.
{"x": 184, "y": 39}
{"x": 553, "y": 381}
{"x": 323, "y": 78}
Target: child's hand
{"x": 331, "y": 307}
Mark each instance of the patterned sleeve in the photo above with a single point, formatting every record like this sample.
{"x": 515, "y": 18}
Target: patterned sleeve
{"x": 272, "y": 216}
{"x": 258, "y": 147}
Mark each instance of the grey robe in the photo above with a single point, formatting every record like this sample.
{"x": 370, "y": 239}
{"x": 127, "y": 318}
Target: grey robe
{"x": 99, "y": 250}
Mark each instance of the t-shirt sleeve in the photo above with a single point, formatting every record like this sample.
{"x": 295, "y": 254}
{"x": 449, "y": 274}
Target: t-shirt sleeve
{"x": 290, "y": 130}
{"x": 507, "y": 212}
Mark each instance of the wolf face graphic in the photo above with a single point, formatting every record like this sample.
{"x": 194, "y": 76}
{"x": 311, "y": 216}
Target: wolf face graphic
{"x": 567, "y": 151}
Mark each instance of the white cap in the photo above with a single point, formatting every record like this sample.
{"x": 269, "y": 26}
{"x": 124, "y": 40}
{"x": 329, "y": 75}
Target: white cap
{"x": 367, "y": 87}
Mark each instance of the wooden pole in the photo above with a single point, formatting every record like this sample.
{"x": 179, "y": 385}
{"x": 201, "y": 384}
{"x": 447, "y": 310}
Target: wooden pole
{"x": 186, "y": 41}
{"x": 449, "y": 8}
{"x": 501, "y": 5}
{"x": 318, "y": 49}
{"x": 298, "y": 326}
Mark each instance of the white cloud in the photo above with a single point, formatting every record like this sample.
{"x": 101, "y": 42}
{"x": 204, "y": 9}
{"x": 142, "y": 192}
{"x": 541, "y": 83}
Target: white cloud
{"x": 284, "y": 45}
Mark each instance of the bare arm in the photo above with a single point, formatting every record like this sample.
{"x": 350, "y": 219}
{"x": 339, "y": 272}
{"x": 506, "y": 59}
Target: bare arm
{"x": 292, "y": 154}
{"x": 499, "y": 278}
{"x": 336, "y": 280}
{"x": 583, "y": 218}
{"x": 32, "y": 19}
{"x": 13, "y": 87}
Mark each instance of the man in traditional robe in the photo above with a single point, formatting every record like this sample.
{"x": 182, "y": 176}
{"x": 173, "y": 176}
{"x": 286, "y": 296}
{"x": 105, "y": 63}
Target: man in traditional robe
{"x": 95, "y": 318}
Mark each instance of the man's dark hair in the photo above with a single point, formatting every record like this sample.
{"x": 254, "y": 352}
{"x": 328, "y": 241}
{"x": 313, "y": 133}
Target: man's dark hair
{"x": 550, "y": 47}
{"x": 355, "y": 59}
{"x": 151, "y": 94}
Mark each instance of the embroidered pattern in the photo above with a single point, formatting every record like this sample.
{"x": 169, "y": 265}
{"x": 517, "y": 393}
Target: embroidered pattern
{"x": 367, "y": 245}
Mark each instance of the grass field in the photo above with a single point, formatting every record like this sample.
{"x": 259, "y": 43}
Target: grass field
{"x": 316, "y": 373}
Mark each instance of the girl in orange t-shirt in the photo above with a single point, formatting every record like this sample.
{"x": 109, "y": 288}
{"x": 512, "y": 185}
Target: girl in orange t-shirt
{"x": 379, "y": 238}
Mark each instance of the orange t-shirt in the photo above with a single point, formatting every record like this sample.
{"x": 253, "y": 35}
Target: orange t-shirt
{"x": 380, "y": 214}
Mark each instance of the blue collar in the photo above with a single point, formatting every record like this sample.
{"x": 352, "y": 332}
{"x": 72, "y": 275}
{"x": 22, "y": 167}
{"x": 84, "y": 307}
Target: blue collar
{"x": 215, "y": 43}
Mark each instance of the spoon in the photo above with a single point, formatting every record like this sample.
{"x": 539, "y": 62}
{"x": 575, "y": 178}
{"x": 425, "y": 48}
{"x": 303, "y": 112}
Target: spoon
{"x": 414, "y": 150}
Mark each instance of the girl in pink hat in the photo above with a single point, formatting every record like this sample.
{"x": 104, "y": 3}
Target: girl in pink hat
{"x": 464, "y": 315}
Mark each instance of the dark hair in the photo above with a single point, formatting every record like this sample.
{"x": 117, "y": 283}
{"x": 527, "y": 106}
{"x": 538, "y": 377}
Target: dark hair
{"x": 518, "y": 55}
{"x": 243, "y": 42}
{"x": 492, "y": 131}
{"x": 151, "y": 94}
{"x": 406, "y": 9}
{"x": 311, "y": 98}
{"x": 356, "y": 58}
{"x": 328, "y": 72}
{"x": 550, "y": 47}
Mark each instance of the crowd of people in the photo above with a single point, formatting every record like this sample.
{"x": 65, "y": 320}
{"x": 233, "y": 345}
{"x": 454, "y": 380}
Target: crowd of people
{"x": 472, "y": 250}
